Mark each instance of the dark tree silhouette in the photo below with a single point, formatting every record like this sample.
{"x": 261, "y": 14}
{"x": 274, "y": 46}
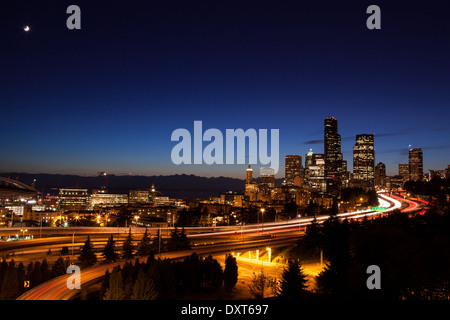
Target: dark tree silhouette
{"x": 87, "y": 256}
{"x": 128, "y": 247}
{"x": 293, "y": 283}
{"x": 230, "y": 274}
{"x": 109, "y": 252}
{"x": 144, "y": 247}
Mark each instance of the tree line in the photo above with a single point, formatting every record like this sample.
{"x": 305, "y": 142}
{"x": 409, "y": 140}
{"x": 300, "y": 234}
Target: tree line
{"x": 164, "y": 279}
{"x": 13, "y": 276}
{"x": 412, "y": 254}
{"x": 146, "y": 246}
{"x": 437, "y": 191}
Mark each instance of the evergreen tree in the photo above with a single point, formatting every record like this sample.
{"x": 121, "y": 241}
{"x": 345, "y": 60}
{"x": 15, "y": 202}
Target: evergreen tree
{"x": 45, "y": 271}
{"x": 87, "y": 256}
{"x": 172, "y": 244}
{"x": 64, "y": 251}
{"x": 161, "y": 272}
{"x": 115, "y": 290}
{"x": 150, "y": 260}
{"x": 10, "y": 286}
{"x": 144, "y": 247}
{"x": 191, "y": 273}
{"x": 59, "y": 267}
{"x": 184, "y": 243}
{"x": 178, "y": 240}
{"x": 21, "y": 278}
{"x": 105, "y": 285}
{"x": 230, "y": 274}
{"x": 3, "y": 270}
{"x": 109, "y": 252}
{"x": 310, "y": 243}
{"x": 212, "y": 274}
{"x": 130, "y": 277}
{"x": 128, "y": 247}
{"x": 144, "y": 287}
{"x": 158, "y": 244}
{"x": 293, "y": 284}
{"x": 29, "y": 272}
{"x": 36, "y": 275}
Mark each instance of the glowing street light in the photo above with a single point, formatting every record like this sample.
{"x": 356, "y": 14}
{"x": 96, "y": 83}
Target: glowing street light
{"x": 262, "y": 218}
{"x": 269, "y": 250}
{"x": 23, "y": 233}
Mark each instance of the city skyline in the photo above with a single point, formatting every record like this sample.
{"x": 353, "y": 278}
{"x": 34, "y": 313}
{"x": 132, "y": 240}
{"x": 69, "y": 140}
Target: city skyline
{"x": 108, "y": 96}
{"x": 225, "y": 157}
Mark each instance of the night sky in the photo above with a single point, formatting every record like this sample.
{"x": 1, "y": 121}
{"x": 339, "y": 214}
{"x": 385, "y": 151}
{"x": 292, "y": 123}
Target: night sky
{"x": 108, "y": 97}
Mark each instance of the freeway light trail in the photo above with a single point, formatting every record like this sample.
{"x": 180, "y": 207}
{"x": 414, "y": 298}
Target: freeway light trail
{"x": 384, "y": 201}
{"x": 56, "y": 289}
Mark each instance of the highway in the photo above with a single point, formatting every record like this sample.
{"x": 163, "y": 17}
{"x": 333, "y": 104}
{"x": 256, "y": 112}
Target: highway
{"x": 56, "y": 289}
{"x": 74, "y": 238}
{"x": 222, "y": 240}
{"x": 39, "y": 232}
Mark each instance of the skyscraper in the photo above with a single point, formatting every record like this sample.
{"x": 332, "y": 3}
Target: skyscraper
{"x": 268, "y": 177}
{"x": 315, "y": 172}
{"x": 249, "y": 175}
{"x": 309, "y": 159}
{"x": 364, "y": 160}
{"x": 415, "y": 164}
{"x": 333, "y": 155}
{"x": 403, "y": 171}
{"x": 293, "y": 168}
{"x": 380, "y": 175}
{"x": 251, "y": 188}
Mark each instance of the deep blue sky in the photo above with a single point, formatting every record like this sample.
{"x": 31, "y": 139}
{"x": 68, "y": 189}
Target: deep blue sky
{"x": 107, "y": 97}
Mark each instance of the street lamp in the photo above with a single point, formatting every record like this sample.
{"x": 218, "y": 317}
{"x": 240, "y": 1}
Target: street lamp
{"x": 269, "y": 250}
{"x": 23, "y": 233}
{"x": 40, "y": 230}
{"x": 262, "y": 219}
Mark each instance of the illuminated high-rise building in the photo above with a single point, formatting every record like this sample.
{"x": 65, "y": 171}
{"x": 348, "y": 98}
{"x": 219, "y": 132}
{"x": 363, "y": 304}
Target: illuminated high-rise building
{"x": 364, "y": 160}
{"x": 333, "y": 155}
{"x": 251, "y": 188}
{"x": 293, "y": 169}
{"x": 380, "y": 175}
{"x": 315, "y": 172}
{"x": 249, "y": 175}
{"x": 415, "y": 164}
{"x": 309, "y": 159}
{"x": 268, "y": 177}
{"x": 403, "y": 171}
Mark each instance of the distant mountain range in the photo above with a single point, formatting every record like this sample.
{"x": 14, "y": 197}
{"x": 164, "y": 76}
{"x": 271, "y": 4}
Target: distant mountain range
{"x": 174, "y": 186}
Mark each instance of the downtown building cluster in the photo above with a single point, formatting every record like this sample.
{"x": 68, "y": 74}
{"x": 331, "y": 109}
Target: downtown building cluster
{"x": 147, "y": 206}
{"x": 316, "y": 178}
{"x": 325, "y": 175}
